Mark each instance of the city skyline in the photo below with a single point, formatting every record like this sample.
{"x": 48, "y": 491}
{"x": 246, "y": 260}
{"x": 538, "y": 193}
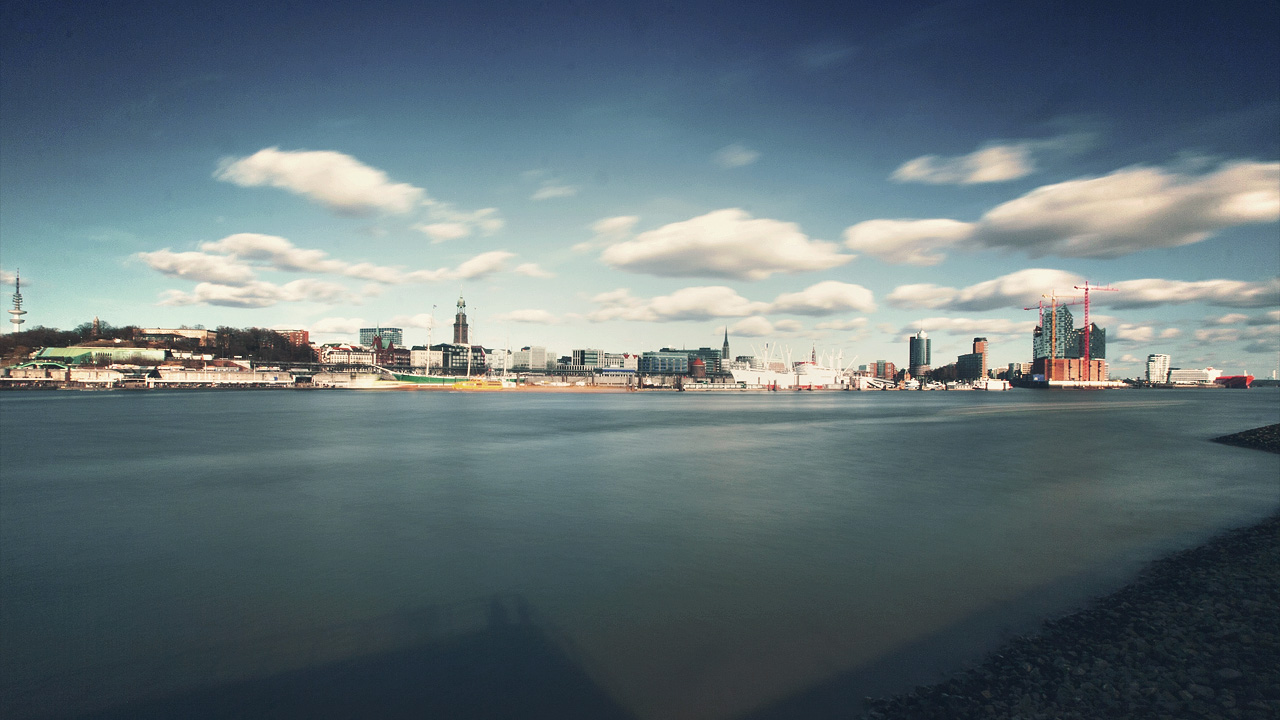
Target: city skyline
{"x": 590, "y": 177}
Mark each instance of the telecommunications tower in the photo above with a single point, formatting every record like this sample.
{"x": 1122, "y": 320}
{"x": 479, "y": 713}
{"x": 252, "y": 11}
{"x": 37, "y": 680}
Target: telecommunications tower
{"x": 17, "y": 312}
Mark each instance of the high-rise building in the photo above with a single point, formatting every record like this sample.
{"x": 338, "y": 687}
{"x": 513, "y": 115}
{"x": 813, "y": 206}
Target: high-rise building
{"x": 1097, "y": 342}
{"x": 390, "y": 336}
{"x": 974, "y": 365}
{"x": 724, "y": 351}
{"x": 920, "y": 353}
{"x": 460, "y": 324}
{"x": 1055, "y": 337}
{"x": 1158, "y": 368}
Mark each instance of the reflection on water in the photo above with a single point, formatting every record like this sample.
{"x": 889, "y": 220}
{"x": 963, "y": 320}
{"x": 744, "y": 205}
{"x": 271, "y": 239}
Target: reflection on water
{"x": 673, "y": 556}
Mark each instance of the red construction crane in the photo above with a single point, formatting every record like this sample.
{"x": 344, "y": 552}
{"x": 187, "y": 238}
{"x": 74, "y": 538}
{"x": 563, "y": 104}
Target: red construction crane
{"x": 1088, "y": 348}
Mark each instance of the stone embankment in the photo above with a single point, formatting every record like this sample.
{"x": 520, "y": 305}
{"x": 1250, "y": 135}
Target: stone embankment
{"x": 1196, "y": 636}
{"x": 1263, "y": 438}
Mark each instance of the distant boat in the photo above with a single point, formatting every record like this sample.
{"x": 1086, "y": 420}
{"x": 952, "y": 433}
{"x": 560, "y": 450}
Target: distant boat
{"x": 991, "y": 384}
{"x": 441, "y": 380}
{"x": 484, "y": 384}
{"x": 1241, "y": 382}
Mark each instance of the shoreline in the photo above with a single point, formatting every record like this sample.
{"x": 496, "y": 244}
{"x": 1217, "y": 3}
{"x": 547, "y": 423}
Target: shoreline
{"x": 1196, "y": 634}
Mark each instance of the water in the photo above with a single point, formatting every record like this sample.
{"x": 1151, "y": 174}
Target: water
{"x": 661, "y": 555}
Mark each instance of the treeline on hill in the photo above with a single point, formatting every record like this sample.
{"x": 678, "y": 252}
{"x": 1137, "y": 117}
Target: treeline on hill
{"x": 260, "y": 344}
{"x": 256, "y": 343}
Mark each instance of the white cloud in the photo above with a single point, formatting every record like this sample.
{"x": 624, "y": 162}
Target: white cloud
{"x": 482, "y": 265}
{"x": 453, "y": 224}
{"x": 1268, "y": 318}
{"x": 703, "y": 302}
{"x": 853, "y": 324}
{"x": 994, "y": 163}
{"x": 532, "y": 270}
{"x": 1133, "y": 333}
{"x": 421, "y": 320}
{"x": 969, "y": 326}
{"x": 826, "y": 298}
{"x": 788, "y": 326}
{"x": 910, "y": 242}
{"x": 442, "y": 231}
{"x": 1151, "y": 292}
{"x": 260, "y": 294}
{"x": 1017, "y": 289}
{"x": 691, "y": 303}
{"x": 752, "y": 327}
{"x": 1229, "y": 319}
{"x": 548, "y": 191}
{"x": 1170, "y": 333}
{"x": 529, "y": 316}
{"x": 1217, "y": 335}
{"x": 1132, "y": 210}
{"x": 336, "y": 326}
{"x": 1025, "y": 287}
{"x": 198, "y": 266}
{"x": 608, "y": 231}
{"x": 724, "y": 243}
{"x": 735, "y": 156}
{"x": 337, "y": 181}
{"x": 1125, "y": 212}
{"x": 7, "y": 277}
{"x": 1128, "y": 358}
{"x": 276, "y": 252}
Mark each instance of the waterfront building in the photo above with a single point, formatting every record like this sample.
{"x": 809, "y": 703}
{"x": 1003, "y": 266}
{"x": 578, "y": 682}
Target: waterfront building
{"x": 710, "y": 358}
{"x": 884, "y": 370}
{"x": 390, "y": 336}
{"x": 345, "y": 354}
{"x": 1072, "y": 369}
{"x": 460, "y": 336}
{"x": 973, "y": 366}
{"x": 533, "y": 358}
{"x": 920, "y": 355}
{"x": 1190, "y": 376}
{"x": 1158, "y": 369}
{"x": 426, "y": 358}
{"x": 1097, "y": 343}
{"x": 1018, "y": 369}
{"x": 664, "y": 362}
{"x": 588, "y": 358}
{"x": 1055, "y": 336}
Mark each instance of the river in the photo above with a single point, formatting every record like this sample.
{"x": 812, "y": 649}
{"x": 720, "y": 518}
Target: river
{"x": 663, "y": 555}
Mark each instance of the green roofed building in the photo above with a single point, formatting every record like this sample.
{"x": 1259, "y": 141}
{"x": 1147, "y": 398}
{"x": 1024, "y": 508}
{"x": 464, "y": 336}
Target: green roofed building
{"x": 85, "y": 355}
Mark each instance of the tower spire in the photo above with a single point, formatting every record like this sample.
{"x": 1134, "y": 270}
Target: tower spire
{"x": 17, "y": 312}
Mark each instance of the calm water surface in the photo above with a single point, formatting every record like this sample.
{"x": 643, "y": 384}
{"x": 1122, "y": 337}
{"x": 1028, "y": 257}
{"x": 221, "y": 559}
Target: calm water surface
{"x": 693, "y": 556}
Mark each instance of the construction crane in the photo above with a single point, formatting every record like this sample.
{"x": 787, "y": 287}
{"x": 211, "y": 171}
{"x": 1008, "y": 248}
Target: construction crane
{"x": 1053, "y": 313}
{"x": 1088, "y": 348}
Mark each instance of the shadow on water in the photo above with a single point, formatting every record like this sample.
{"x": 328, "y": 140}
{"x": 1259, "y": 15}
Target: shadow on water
{"x": 504, "y": 665}
{"x": 937, "y": 656}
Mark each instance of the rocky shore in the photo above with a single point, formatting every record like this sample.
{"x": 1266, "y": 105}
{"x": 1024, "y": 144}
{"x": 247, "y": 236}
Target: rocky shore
{"x": 1263, "y": 438}
{"x": 1196, "y": 636}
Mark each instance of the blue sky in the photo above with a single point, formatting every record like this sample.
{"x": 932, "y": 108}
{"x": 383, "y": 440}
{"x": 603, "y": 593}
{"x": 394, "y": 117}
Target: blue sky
{"x": 629, "y": 177}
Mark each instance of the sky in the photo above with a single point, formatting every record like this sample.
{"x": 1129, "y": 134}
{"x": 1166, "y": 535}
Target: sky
{"x": 631, "y": 176}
